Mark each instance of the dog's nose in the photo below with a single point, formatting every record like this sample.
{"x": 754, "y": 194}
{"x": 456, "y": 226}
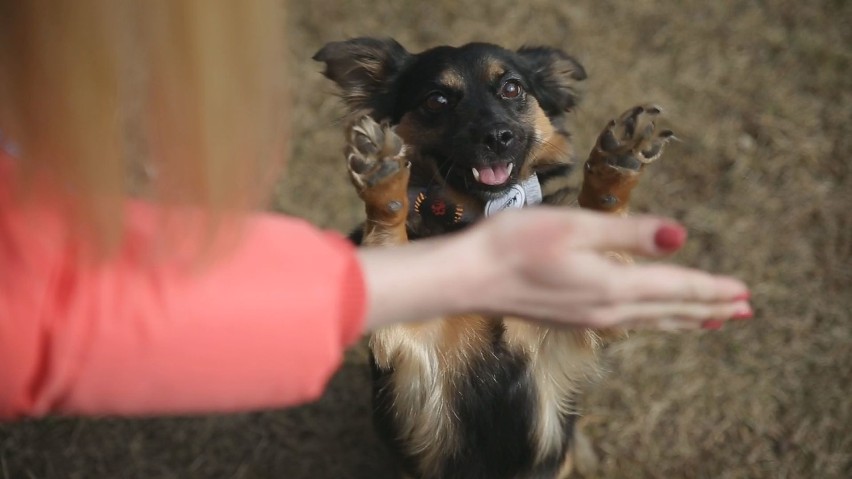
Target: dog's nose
{"x": 499, "y": 139}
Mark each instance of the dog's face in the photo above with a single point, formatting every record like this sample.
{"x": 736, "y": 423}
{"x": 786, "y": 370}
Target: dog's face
{"x": 478, "y": 114}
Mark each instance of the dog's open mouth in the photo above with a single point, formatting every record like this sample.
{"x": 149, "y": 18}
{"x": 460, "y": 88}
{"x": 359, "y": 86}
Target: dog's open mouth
{"x": 493, "y": 175}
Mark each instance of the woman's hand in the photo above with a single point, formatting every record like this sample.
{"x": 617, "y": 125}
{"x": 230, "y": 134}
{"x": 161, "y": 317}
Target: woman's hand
{"x": 557, "y": 268}
{"x": 551, "y": 265}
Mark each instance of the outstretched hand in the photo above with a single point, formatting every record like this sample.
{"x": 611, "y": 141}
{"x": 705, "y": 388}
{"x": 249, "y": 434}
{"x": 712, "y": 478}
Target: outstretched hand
{"x": 551, "y": 265}
{"x": 559, "y": 267}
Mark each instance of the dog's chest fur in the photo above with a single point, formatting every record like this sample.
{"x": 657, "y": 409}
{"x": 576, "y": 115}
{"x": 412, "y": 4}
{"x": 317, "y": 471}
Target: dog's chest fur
{"x": 475, "y": 397}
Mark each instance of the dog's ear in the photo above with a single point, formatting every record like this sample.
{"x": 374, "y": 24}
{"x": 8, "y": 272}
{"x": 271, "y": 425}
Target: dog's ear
{"x": 363, "y": 68}
{"x": 553, "y": 74}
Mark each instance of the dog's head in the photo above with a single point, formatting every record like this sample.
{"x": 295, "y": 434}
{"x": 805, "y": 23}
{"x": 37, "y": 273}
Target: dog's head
{"x": 479, "y": 114}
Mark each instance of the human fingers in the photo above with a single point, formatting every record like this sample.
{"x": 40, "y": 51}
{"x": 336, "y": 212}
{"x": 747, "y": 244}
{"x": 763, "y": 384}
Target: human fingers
{"x": 640, "y": 235}
{"x": 670, "y": 316}
{"x": 658, "y": 282}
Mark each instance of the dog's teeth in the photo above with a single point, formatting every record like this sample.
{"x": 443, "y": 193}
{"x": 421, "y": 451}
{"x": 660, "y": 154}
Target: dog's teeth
{"x": 475, "y": 173}
{"x": 509, "y": 169}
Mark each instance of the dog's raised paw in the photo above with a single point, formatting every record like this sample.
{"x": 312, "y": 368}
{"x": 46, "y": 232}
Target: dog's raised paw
{"x": 623, "y": 149}
{"x": 379, "y": 169}
{"x": 632, "y": 140}
{"x": 375, "y": 155}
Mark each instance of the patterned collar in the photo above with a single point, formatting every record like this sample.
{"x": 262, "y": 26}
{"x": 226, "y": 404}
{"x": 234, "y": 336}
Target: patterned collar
{"x": 435, "y": 207}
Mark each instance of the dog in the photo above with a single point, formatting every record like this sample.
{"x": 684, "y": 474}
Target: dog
{"x": 436, "y": 141}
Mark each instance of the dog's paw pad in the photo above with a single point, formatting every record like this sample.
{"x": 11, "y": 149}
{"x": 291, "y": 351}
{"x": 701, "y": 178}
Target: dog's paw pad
{"x": 374, "y": 153}
{"x": 632, "y": 140}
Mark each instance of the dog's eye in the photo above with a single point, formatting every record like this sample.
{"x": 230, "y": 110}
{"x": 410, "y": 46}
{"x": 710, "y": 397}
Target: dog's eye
{"x": 511, "y": 89}
{"x": 436, "y": 102}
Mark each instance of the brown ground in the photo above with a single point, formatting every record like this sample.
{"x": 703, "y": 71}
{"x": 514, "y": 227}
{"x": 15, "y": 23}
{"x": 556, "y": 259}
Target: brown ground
{"x": 761, "y": 94}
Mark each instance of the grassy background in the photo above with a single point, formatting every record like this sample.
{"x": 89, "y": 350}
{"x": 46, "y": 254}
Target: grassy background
{"x": 761, "y": 94}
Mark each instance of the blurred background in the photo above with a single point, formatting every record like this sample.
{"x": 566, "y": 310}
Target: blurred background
{"x": 760, "y": 93}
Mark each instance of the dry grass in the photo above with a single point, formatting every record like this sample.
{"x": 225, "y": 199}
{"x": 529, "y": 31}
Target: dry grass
{"x": 761, "y": 94}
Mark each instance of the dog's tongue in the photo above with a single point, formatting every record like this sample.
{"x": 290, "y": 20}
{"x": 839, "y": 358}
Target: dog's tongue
{"x": 493, "y": 175}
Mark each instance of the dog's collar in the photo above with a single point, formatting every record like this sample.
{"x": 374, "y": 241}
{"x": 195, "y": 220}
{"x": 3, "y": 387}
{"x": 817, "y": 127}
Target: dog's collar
{"x": 434, "y": 206}
{"x": 525, "y": 193}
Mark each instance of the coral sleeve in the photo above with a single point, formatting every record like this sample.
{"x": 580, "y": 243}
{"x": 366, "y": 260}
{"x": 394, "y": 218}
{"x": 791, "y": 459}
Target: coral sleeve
{"x": 264, "y": 326}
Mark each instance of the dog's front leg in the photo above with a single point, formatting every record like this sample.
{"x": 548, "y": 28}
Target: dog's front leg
{"x": 375, "y": 157}
{"x": 619, "y": 157}
{"x": 616, "y": 163}
{"x": 401, "y": 355}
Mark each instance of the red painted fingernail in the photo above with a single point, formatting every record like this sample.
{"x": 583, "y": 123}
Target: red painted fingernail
{"x": 743, "y": 297}
{"x": 670, "y": 237}
{"x": 740, "y": 315}
{"x": 712, "y": 324}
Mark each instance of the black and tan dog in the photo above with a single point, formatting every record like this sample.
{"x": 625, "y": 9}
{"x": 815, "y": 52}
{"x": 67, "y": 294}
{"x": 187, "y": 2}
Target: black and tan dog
{"x": 436, "y": 141}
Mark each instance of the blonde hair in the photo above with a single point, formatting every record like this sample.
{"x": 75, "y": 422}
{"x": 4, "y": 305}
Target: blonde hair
{"x": 190, "y": 91}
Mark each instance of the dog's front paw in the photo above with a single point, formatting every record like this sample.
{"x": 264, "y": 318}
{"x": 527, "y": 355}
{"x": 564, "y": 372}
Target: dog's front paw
{"x": 375, "y": 158}
{"x": 620, "y": 154}
{"x": 630, "y": 142}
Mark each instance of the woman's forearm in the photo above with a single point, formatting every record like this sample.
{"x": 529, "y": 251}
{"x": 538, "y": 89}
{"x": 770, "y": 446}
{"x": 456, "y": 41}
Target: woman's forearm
{"x": 424, "y": 280}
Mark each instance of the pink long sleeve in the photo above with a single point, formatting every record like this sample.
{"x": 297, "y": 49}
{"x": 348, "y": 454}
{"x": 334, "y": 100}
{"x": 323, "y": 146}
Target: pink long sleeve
{"x": 264, "y": 326}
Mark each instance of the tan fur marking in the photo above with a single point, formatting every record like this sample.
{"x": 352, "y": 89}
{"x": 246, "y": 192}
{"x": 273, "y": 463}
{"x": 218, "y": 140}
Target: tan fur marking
{"x": 417, "y": 388}
{"x": 451, "y": 79}
{"x": 561, "y": 360}
{"x": 550, "y": 146}
{"x": 543, "y": 126}
{"x": 428, "y": 360}
{"x": 493, "y": 70}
